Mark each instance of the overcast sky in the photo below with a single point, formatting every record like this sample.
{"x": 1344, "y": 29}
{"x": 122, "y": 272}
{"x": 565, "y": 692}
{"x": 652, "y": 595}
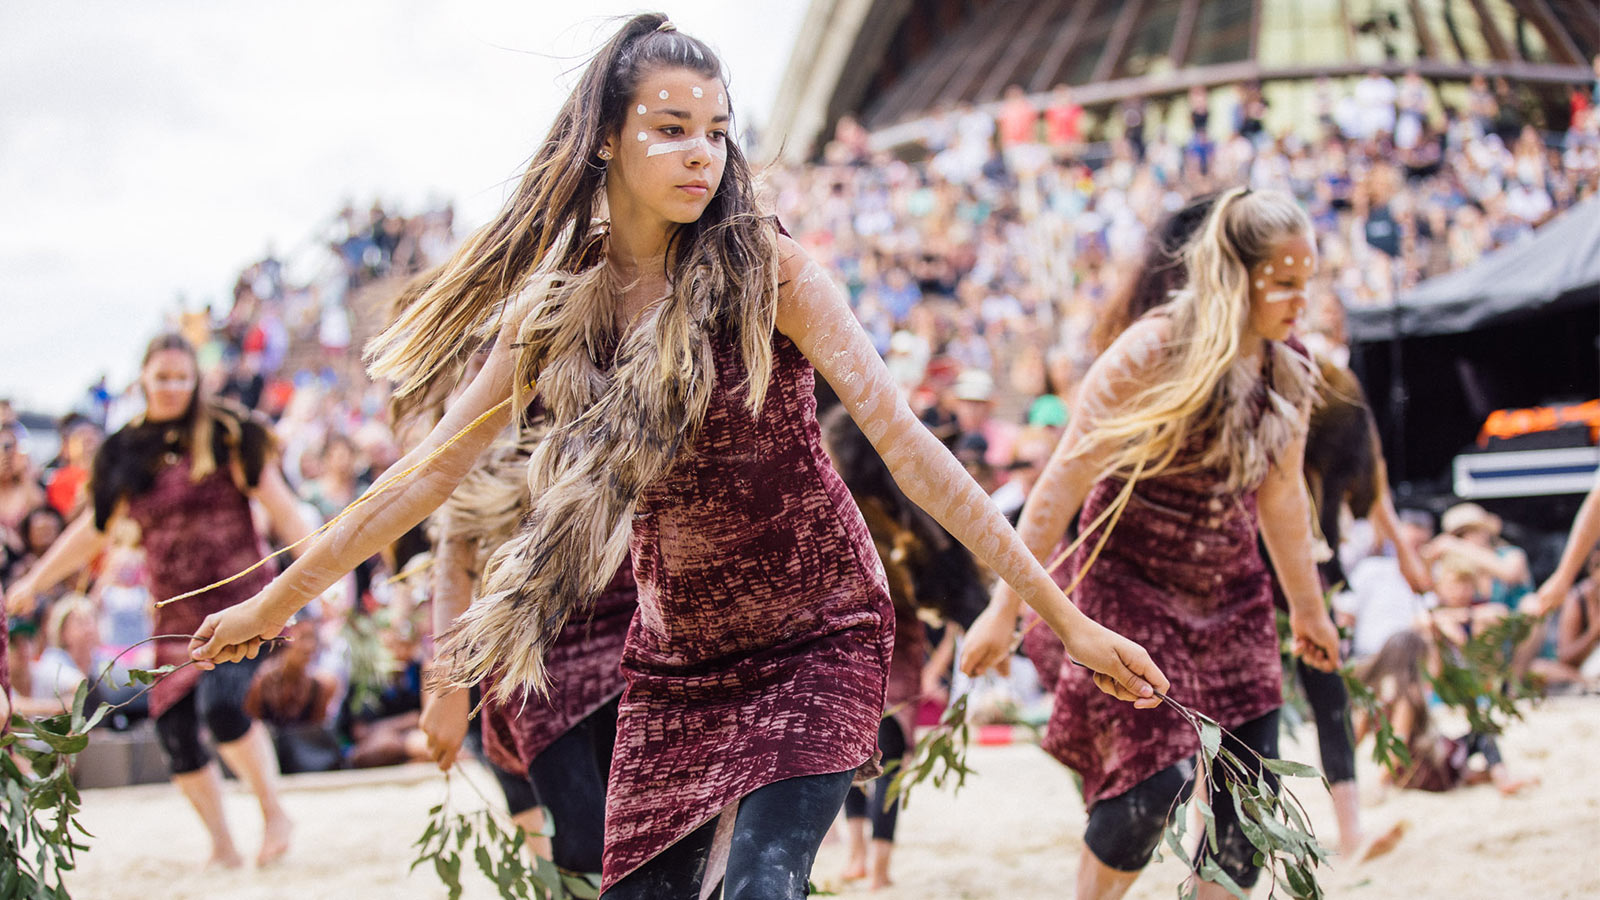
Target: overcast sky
{"x": 149, "y": 150}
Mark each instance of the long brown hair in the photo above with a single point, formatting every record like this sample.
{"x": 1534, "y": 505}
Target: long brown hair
{"x": 620, "y": 406}
{"x": 550, "y": 225}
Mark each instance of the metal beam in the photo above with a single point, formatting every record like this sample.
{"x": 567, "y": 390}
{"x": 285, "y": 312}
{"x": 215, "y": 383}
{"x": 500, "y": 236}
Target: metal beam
{"x": 1117, "y": 41}
{"x": 1064, "y": 41}
{"x": 1255, "y": 29}
{"x": 986, "y": 58}
{"x": 1555, "y": 37}
{"x": 1498, "y": 45}
{"x": 1032, "y": 32}
{"x": 1183, "y": 33}
{"x": 1430, "y": 48}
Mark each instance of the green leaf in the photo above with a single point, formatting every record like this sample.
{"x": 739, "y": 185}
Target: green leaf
{"x": 1290, "y": 768}
{"x": 1210, "y": 871}
{"x": 1210, "y": 738}
{"x": 1210, "y": 823}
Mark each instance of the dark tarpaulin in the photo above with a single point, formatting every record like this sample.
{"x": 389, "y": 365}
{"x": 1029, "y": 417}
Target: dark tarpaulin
{"x": 1556, "y": 269}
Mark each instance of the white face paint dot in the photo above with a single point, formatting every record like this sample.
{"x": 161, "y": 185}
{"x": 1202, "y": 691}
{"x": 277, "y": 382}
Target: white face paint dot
{"x": 643, "y": 137}
{"x": 1268, "y": 269}
{"x": 1288, "y": 260}
{"x": 662, "y": 95}
{"x": 697, "y": 92}
{"x": 642, "y": 110}
{"x": 1308, "y": 262}
{"x": 722, "y": 99}
{"x": 1260, "y": 284}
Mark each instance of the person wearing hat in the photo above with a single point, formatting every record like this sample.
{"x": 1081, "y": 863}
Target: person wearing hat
{"x": 1472, "y": 533}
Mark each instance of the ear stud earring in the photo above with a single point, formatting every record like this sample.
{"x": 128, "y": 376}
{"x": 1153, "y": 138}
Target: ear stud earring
{"x": 604, "y": 154}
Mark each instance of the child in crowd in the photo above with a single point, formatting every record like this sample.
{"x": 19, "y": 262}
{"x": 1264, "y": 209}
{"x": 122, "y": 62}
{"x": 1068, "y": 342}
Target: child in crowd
{"x": 1437, "y": 763}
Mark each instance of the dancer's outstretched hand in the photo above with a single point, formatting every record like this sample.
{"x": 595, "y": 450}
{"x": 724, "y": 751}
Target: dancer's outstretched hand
{"x": 444, "y": 722}
{"x": 235, "y": 633}
{"x": 989, "y": 643}
{"x": 1316, "y": 640}
{"x": 1121, "y": 668}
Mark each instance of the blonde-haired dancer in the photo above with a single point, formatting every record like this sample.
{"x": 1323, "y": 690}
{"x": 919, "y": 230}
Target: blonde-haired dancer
{"x": 1203, "y": 404}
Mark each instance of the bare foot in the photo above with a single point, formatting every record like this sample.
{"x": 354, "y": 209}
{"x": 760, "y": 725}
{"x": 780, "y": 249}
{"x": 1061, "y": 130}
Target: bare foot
{"x": 225, "y": 859}
{"x": 855, "y": 869}
{"x": 880, "y": 881}
{"x": 1384, "y": 842}
{"x": 275, "y": 831}
{"x": 1509, "y": 786}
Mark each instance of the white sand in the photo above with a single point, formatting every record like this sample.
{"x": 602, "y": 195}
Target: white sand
{"x": 1014, "y": 832}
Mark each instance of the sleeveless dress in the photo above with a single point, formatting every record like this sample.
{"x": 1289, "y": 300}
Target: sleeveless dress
{"x": 761, "y": 648}
{"x": 1181, "y": 575}
{"x": 194, "y": 533}
{"x": 585, "y": 674}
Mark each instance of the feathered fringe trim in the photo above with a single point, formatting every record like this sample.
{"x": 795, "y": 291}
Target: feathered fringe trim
{"x": 616, "y": 430}
{"x": 1246, "y": 447}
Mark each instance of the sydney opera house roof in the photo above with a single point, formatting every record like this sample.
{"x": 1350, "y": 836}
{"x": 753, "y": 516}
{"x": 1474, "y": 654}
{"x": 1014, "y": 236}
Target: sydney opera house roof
{"x": 889, "y": 62}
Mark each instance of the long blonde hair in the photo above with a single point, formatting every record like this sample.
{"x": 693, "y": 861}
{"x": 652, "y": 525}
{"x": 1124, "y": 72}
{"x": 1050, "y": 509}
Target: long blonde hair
{"x": 1204, "y": 383}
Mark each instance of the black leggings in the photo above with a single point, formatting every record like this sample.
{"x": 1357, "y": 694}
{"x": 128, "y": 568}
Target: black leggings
{"x": 218, "y": 698}
{"x": 1124, "y": 830}
{"x": 1330, "y": 707}
{"x": 569, "y": 778}
{"x": 892, "y": 741}
{"x": 776, "y": 833}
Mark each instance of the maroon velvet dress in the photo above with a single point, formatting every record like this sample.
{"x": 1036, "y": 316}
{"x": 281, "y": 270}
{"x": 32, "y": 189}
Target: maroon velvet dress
{"x": 762, "y": 644}
{"x": 585, "y": 674}
{"x": 1181, "y": 575}
{"x": 194, "y": 533}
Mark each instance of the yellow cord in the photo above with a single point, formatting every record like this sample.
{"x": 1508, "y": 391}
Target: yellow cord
{"x": 376, "y": 489}
{"x": 1112, "y": 512}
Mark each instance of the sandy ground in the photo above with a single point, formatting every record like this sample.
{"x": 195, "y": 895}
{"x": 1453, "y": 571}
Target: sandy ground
{"x": 1013, "y": 832}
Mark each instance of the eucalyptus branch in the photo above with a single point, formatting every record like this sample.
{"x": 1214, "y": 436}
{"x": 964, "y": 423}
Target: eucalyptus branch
{"x": 498, "y": 848}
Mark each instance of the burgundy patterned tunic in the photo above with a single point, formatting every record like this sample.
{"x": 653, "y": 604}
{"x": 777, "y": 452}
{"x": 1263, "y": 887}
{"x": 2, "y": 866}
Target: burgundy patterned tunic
{"x": 194, "y": 533}
{"x": 584, "y": 675}
{"x": 762, "y": 644}
{"x": 1181, "y": 575}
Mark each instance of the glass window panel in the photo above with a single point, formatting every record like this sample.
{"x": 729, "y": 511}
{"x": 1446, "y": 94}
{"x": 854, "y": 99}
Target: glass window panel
{"x": 1150, "y": 40}
{"x": 1221, "y": 32}
{"x": 1383, "y": 31}
{"x": 1307, "y": 32}
{"x": 1085, "y": 54}
{"x": 1462, "y": 23}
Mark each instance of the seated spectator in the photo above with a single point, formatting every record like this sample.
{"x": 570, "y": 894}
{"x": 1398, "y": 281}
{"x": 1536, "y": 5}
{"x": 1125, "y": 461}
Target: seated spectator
{"x": 1472, "y": 534}
{"x": 72, "y": 633}
{"x": 1380, "y": 602}
{"x": 1578, "y": 628}
{"x": 1438, "y": 763}
{"x": 1461, "y": 613}
{"x": 293, "y": 698}
{"x": 20, "y": 493}
{"x": 65, "y": 484}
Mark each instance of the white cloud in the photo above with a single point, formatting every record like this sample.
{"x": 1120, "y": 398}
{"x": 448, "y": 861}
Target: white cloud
{"x": 150, "y": 150}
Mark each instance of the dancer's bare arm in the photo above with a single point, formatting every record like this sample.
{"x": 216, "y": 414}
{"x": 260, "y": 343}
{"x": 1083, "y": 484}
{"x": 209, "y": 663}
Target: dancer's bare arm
{"x": 76, "y": 548}
{"x": 237, "y": 633}
{"x": 1285, "y": 512}
{"x": 1585, "y": 535}
{"x": 283, "y": 508}
{"x": 1065, "y": 482}
{"x": 445, "y": 714}
{"x": 812, "y": 313}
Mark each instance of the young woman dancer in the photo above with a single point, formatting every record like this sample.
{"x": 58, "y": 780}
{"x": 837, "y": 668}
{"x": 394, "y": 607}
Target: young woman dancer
{"x": 1343, "y": 465}
{"x": 185, "y": 473}
{"x": 672, "y": 347}
{"x": 1203, "y": 406}
{"x": 562, "y": 740}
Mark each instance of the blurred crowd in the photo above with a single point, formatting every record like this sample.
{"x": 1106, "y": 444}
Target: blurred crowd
{"x": 346, "y": 691}
{"x": 979, "y": 264}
